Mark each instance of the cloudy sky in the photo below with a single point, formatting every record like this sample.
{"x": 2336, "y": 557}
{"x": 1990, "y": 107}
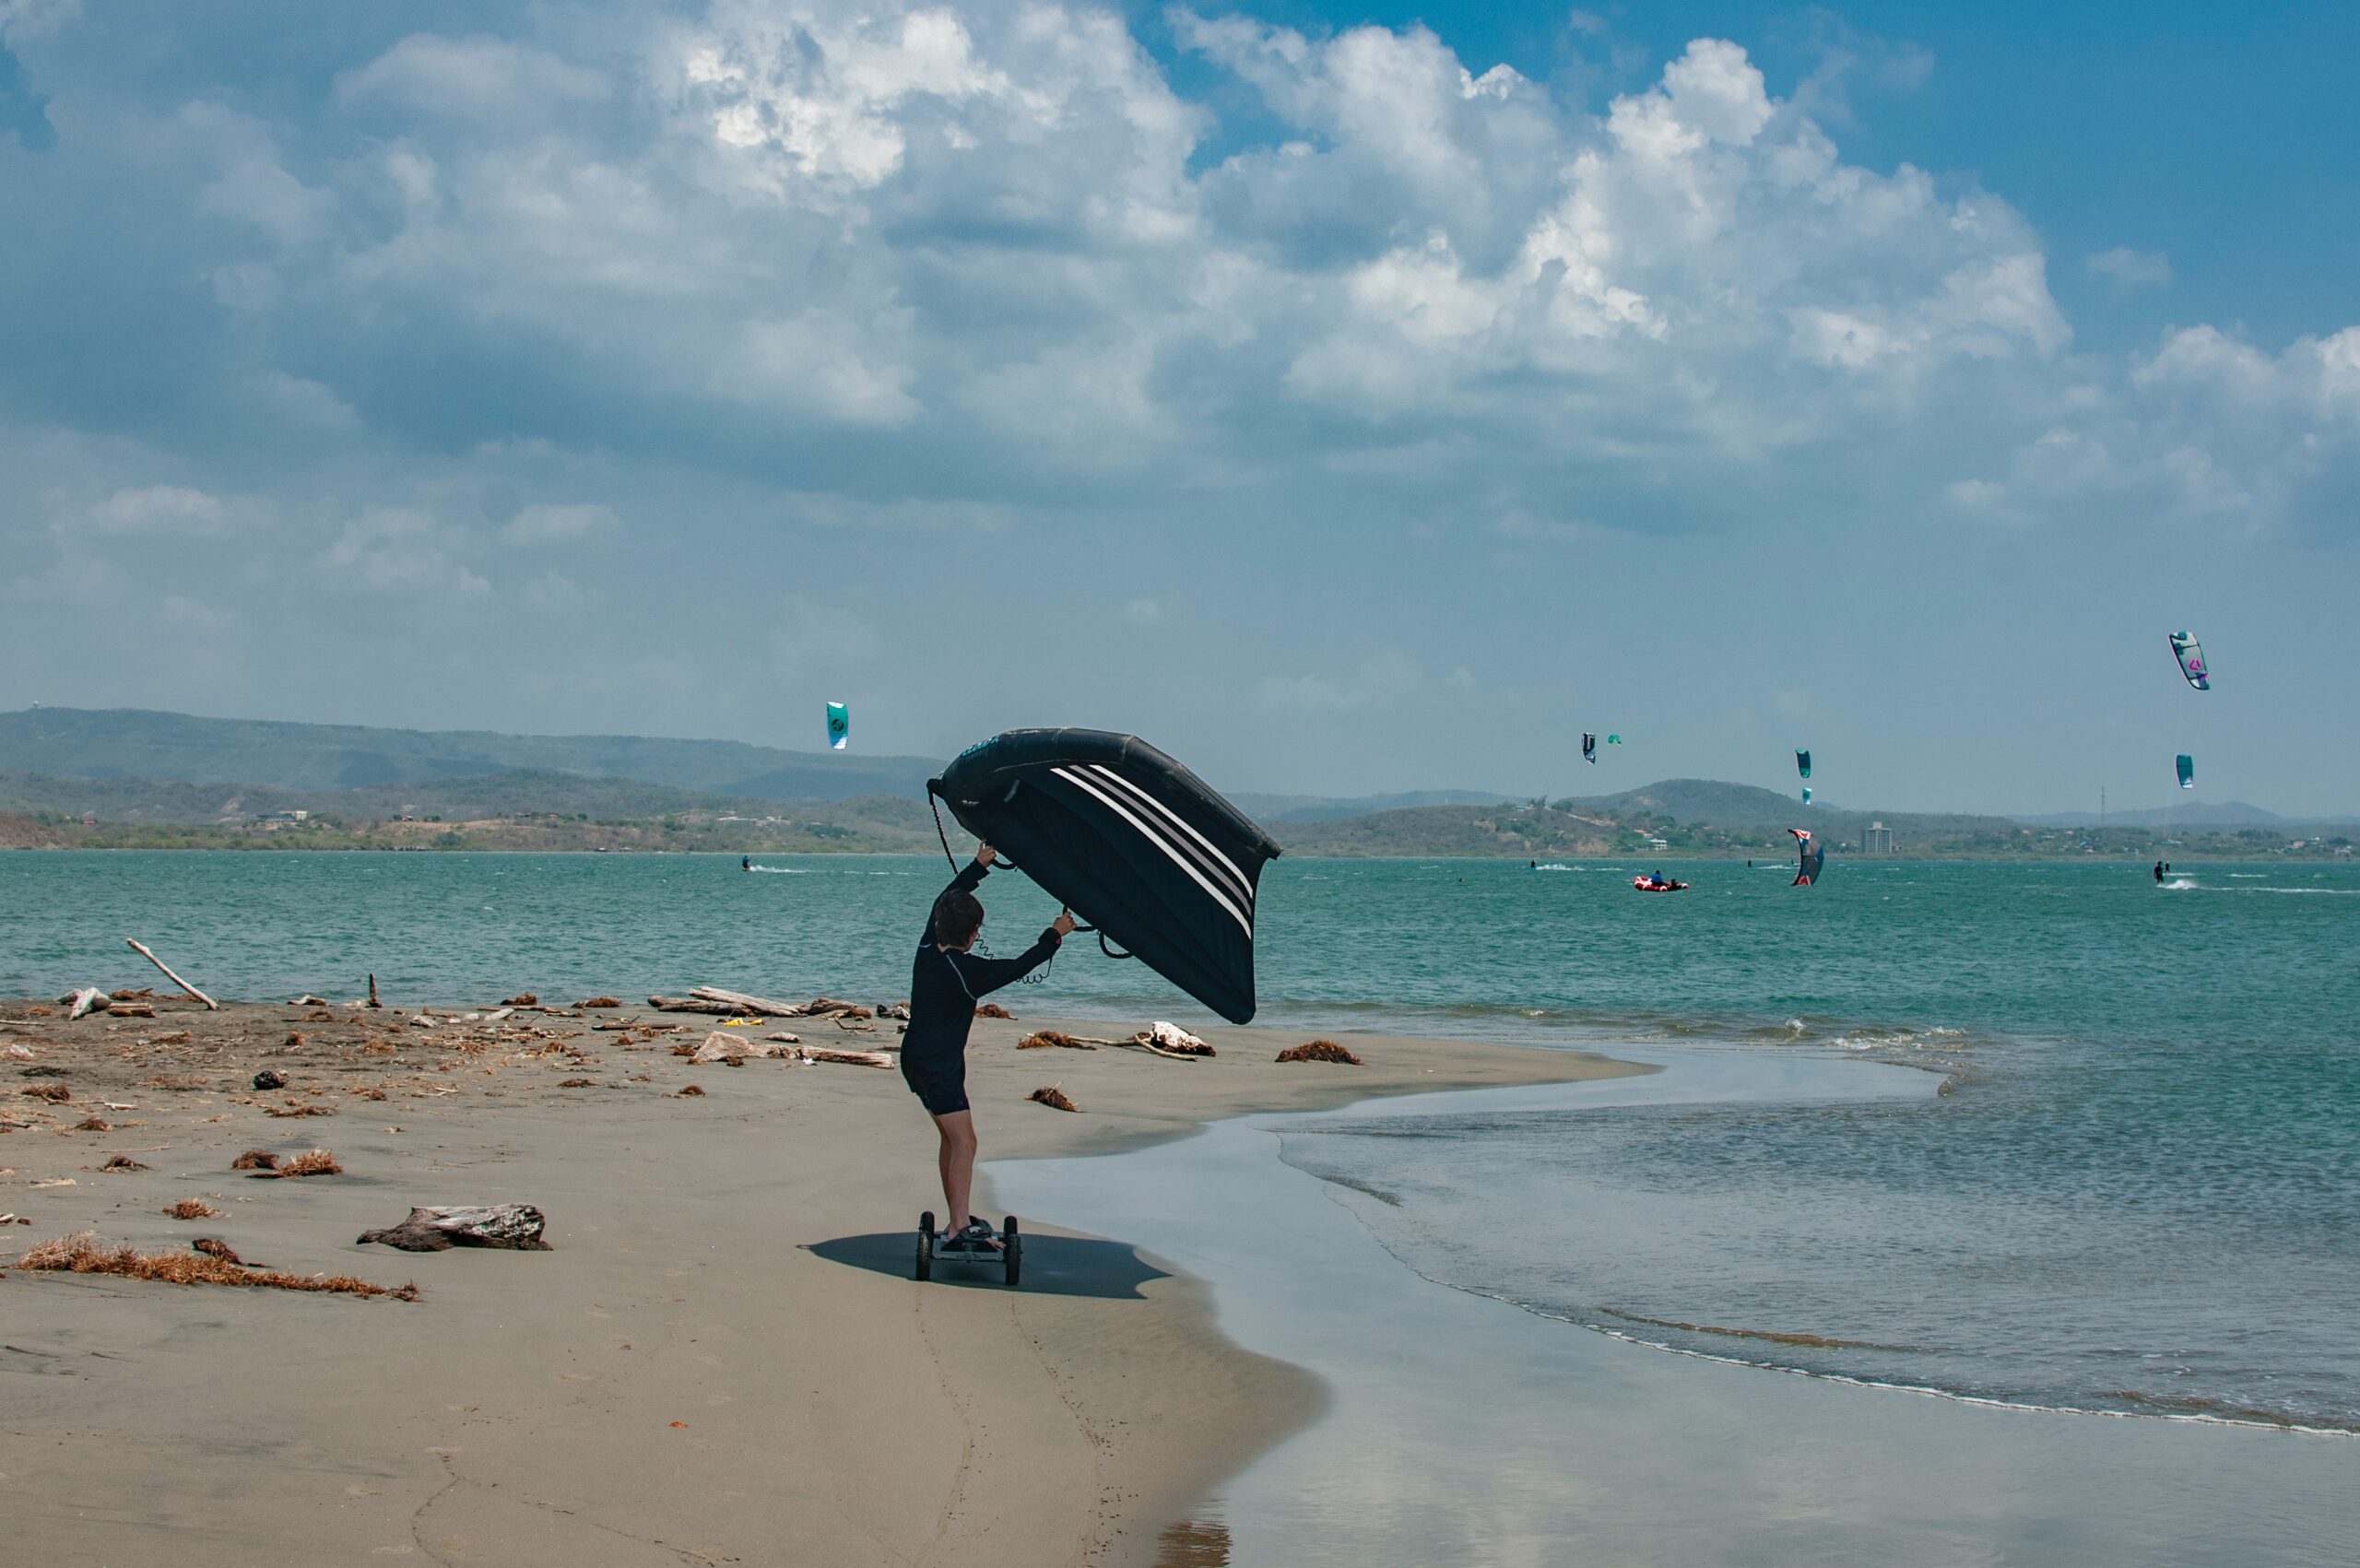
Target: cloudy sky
{"x": 1346, "y": 400}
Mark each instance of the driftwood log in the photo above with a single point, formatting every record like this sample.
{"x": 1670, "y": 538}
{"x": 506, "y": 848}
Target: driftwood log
{"x": 695, "y": 1005}
{"x": 740, "y": 1002}
{"x": 723, "y": 1046}
{"x": 849, "y": 1058}
{"x": 514, "y": 1226}
{"x": 85, "y": 1000}
{"x": 140, "y": 948}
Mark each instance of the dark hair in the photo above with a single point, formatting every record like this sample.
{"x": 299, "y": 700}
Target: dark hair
{"x": 958, "y": 915}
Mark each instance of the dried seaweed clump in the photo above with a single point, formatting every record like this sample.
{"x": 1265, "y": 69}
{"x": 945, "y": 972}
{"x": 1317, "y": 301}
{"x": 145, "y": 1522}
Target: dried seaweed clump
{"x": 1042, "y": 1039}
{"x": 192, "y": 1209}
{"x": 577, "y": 1083}
{"x": 1320, "y": 1050}
{"x": 691, "y": 1091}
{"x": 53, "y": 1092}
{"x": 311, "y": 1163}
{"x": 299, "y": 1110}
{"x": 1056, "y": 1098}
{"x": 993, "y": 1009}
{"x": 94, "y": 1123}
{"x": 523, "y": 999}
{"x": 255, "y": 1160}
{"x": 82, "y": 1254}
{"x": 124, "y": 1162}
{"x": 599, "y": 1002}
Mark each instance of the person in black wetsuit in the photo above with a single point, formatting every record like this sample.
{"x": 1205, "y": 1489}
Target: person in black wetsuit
{"x": 946, "y": 982}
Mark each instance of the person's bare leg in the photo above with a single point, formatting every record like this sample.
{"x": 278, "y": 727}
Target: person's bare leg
{"x": 958, "y": 1162}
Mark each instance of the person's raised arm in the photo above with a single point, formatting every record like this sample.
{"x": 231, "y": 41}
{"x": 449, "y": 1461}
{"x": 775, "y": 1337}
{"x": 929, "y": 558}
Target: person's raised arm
{"x": 984, "y": 976}
{"x": 970, "y": 877}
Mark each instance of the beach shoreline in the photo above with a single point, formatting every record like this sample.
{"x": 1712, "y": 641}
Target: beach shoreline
{"x": 723, "y": 1358}
{"x": 1473, "y": 1424}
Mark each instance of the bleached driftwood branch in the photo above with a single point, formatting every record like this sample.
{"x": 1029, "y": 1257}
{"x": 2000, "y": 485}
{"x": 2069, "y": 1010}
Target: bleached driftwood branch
{"x": 141, "y": 950}
{"x": 746, "y": 1004}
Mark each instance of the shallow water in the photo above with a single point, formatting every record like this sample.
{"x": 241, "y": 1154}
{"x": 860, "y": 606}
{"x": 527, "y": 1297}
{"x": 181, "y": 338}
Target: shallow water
{"x": 1464, "y": 1430}
{"x": 2140, "y": 1194}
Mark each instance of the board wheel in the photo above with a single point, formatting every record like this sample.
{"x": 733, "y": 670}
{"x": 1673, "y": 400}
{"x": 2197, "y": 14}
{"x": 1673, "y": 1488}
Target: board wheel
{"x": 1013, "y": 1250}
{"x": 923, "y": 1269}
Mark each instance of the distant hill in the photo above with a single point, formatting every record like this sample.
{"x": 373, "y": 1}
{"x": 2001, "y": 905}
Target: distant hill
{"x": 2194, "y": 814}
{"x": 1684, "y": 816}
{"x": 520, "y": 791}
{"x": 1268, "y": 808}
{"x": 513, "y": 810}
{"x": 1744, "y": 808}
{"x": 131, "y": 743}
{"x": 18, "y": 832}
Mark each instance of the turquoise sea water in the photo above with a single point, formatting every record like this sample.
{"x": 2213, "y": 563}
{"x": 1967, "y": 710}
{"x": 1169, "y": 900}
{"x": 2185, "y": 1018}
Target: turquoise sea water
{"x": 2141, "y": 1193}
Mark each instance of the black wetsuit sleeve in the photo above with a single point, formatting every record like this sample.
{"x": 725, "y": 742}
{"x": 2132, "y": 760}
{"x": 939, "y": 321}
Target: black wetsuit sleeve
{"x": 984, "y": 976}
{"x": 970, "y": 877}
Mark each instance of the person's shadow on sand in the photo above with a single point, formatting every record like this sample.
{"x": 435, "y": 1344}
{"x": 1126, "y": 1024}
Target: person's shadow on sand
{"x": 1054, "y": 1265}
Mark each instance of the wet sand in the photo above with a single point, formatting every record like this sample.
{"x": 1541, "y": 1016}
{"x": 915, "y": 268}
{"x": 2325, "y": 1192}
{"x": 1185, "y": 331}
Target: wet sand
{"x": 722, "y": 1360}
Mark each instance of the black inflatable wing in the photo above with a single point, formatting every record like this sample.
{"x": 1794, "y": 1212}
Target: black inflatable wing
{"x": 1131, "y": 841}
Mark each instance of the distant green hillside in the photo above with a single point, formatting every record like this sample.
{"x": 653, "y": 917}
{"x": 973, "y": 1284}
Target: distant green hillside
{"x": 507, "y": 811}
{"x": 519, "y": 792}
{"x": 130, "y": 743}
{"x": 1747, "y": 810}
{"x": 1678, "y": 817}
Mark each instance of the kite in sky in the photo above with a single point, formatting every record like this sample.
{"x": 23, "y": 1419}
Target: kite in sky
{"x": 2191, "y": 660}
{"x": 2186, "y": 770}
{"x": 839, "y": 726}
{"x": 1809, "y": 857}
{"x": 1589, "y": 748}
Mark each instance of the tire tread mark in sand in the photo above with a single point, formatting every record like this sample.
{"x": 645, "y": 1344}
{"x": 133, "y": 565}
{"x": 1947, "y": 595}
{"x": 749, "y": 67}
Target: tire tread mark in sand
{"x": 418, "y": 1517}
{"x": 1096, "y": 1536}
{"x": 958, "y": 1491}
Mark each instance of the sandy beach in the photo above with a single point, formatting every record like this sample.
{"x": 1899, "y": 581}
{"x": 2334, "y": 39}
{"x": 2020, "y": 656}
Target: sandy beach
{"x": 722, "y": 1360}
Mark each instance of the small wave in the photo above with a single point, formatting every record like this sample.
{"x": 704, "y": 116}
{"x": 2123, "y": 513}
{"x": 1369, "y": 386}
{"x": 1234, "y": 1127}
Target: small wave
{"x": 2179, "y": 884}
{"x": 2332, "y": 892}
{"x": 1376, "y": 1192}
{"x": 1923, "y": 1390}
{"x": 2198, "y": 1408}
{"x": 1815, "y": 1341}
{"x": 2247, "y": 876}
{"x": 1553, "y": 866}
{"x": 783, "y": 870}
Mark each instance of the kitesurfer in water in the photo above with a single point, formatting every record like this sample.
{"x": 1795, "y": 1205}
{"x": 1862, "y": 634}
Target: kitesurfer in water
{"x": 945, "y": 984}
{"x": 745, "y": 863}
{"x": 2159, "y": 870}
